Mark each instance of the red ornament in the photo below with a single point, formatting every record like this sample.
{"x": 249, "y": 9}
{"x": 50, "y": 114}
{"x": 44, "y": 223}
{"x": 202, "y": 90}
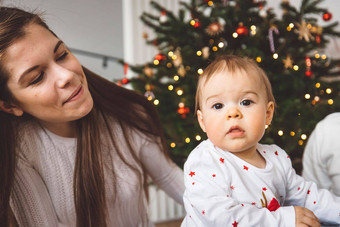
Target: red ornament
{"x": 160, "y": 57}
{"x": 197, "y": 24}
{"x": 308, "y": 73}
{"x": 125, "y": 81}
{"x": 327, "y": 16}
{"x": 242, "y": 30}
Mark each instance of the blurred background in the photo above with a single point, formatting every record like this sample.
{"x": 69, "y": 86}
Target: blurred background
{"x": 159, "y": 48}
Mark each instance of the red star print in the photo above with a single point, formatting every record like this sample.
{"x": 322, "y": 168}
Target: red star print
{"x": 193, "y": 183}
{"x": 232, "y": 187}
{"x": 264, "y": 189}
{"x": 253, "y": 203}
{"x": 228, "y": 196}
{"x": 214, "y": 175}
{"x": 314, "y": 202}
{"x": 308, "y": 192}
{"x": 192, "y": 173}
{"x": 203, "y": 212}
{"x": 276, "y": 153}
{"x": 264, "y": 151}
{"x": 222, "y": 160}
{"x": 235, "y": 224}
{"x": 242, "y": 204}
{"x": 299, "y": 188}
{"x": 245, "y": 167}
{"x": 288, "y": 156}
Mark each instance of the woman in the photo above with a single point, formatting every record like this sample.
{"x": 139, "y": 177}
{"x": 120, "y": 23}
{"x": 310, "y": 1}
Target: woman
{"x": 84, "y": 146}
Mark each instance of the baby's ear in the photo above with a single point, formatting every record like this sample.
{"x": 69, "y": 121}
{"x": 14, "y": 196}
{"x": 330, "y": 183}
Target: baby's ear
{"x": 269, "y": 113}
{"x": 201, "y": 120}
{"x": 10, "y": 108}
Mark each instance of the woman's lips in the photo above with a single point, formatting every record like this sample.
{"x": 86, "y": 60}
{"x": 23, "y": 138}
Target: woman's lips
{"x": 74, "y": 96}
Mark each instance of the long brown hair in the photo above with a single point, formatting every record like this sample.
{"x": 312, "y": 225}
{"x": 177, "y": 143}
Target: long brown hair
{"x": 130, "y": 110}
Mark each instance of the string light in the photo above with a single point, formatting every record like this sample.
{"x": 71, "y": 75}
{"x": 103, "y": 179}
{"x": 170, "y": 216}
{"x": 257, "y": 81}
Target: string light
{"x": 317, "y": 85}
{"x": 220, "y": 44}
{"x": 198, "y": 137}
{"x": 296, "y": 67}
{"x": 155, "y": 62}
{"x": 156, "y": 102}
{"x": 170, "y": 87}
{"x": 179, "y": 92}
{"x": 258, "y": 59}
{"x": 187, "y": 140}
{"x": 170, "y": 54}
{"x": 253, "y": 30}
{"x": 275, "y": 56}
{"x": 176, "y": 77}
{"x": 300, "y": 142}
{"x": 328, "y": 91}
{"x": 292, "y": 133}
{"x": 199, "y": 53}
{"x": 149, "y": 97}
{"x": 317, "y": 55}
{"x": 307, "y": 96}
{"x": 169, "y": 65}
{"x": 210, "y": 3}
{"x": 235, "y": 35}
{"x": 330, "y": 101}
{"x": 323, "y": 57}
{"x": 214, "y": 48}
{"x": 200, "y": 71}
{"x": 172, "y": 145}
{"x": 280, "y": 133}
{"x": 303, "y": 136}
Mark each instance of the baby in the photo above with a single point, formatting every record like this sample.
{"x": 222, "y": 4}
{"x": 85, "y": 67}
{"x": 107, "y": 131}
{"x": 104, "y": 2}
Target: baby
{"x": 231, "y": 179}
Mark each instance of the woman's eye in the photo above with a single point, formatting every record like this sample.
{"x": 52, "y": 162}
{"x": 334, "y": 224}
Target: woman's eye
{"x": 246, "y": 102}
{"x": 63, "y": 56}
{"x": 217, "y": 106}
{"x": 37, "y": 79}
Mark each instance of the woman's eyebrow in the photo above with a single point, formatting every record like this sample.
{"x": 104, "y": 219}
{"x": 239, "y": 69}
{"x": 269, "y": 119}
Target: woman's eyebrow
{"x": 57, "y": 46}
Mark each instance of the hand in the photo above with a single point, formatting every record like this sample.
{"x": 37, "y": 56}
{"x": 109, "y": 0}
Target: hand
{"x": 305, "y": 218}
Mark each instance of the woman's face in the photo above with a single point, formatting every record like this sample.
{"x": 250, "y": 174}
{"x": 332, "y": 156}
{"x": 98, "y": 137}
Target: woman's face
{"x": 46, "y": 80}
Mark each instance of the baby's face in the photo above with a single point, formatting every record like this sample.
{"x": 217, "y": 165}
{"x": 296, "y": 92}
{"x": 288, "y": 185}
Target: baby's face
{"x": 234, "y": 110}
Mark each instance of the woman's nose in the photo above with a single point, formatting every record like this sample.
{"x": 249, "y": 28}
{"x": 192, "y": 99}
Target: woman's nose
{"x": 234, "y": 112}
{"x": 63, "y": 76}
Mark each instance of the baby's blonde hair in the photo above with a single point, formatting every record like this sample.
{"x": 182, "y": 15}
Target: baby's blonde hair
{"x": 232, "y": 64}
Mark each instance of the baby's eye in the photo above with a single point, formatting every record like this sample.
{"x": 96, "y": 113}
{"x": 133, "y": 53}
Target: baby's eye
{"x": 246, "y": 102}
{"x": 217, "y": 106}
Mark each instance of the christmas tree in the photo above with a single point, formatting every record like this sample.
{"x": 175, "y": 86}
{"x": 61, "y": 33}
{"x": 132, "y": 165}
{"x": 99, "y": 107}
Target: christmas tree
{"x": 290, "y": 49}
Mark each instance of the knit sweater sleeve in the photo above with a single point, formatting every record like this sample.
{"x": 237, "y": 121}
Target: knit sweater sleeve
{"x": 165, "y": 173}
{"x": 30, "y": 198}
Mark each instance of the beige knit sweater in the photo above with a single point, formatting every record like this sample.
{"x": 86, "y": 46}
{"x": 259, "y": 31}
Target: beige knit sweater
{"x": 43, "y": 188}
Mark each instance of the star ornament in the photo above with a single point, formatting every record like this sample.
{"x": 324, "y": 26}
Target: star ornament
{"x": 303, "y": 31}
{"x": 288, "y": 62}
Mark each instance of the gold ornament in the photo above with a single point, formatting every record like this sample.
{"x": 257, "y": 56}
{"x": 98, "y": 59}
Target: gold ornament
{"x": 148, "y": 71}
{"x": 288, "y": 62}
{"x": 145, "y": 35}
{"x": 205, "y": 52}
{"x": 214, "y": 29}
{"x": 178, "y": 60}
{"x": 181, "y": 71}
{"x": 303, "y": 31}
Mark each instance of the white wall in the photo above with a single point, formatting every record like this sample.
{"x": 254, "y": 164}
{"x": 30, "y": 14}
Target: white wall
{"x": 94, "y": 26}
